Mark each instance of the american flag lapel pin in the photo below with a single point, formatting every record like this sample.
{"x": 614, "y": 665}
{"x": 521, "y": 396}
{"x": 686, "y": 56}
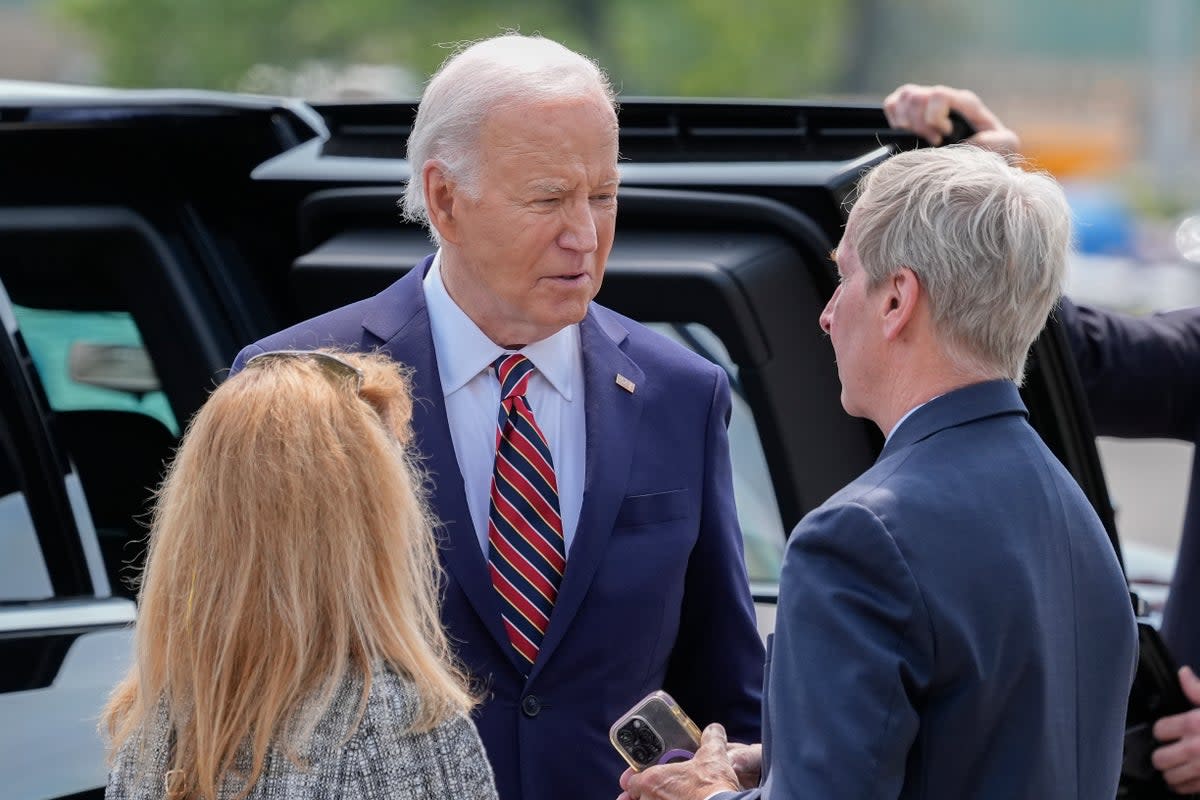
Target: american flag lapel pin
{"x": 625, "y": 383}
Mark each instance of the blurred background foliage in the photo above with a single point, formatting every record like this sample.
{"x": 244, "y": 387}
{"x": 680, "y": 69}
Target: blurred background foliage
{"x": 779, "y": 48}
{"x": 1076, "y": 76}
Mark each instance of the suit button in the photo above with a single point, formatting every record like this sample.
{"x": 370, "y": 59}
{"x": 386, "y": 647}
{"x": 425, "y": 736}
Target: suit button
{"x": 531, "y": 706}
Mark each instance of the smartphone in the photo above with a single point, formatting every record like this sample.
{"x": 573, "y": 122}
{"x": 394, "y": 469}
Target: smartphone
{"x": 655, "y": 731}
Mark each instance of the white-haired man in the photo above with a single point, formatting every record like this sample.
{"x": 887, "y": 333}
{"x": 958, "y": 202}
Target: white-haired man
{"x": 580, "y": 463}
{"x": 1142, "y": 379}
{"x": 953, "y": 623}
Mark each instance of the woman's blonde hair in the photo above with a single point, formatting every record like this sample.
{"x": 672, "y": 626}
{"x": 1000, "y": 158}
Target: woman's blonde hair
{"x": 290, "y": 547}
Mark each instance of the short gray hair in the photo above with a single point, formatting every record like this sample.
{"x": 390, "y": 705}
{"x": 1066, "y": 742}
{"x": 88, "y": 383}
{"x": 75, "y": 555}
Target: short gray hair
{"x": 987, "y": 239}
{"x": 479, "y": 78}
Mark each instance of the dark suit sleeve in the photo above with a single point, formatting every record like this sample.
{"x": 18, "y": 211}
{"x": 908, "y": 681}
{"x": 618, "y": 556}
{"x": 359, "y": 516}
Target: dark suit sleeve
{"x": 853, "y": 654}
{"x": 1141, "y": 374}
{"x": 716, "y": 666}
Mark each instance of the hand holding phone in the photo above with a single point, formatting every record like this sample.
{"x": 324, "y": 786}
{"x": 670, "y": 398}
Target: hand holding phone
{"x": 654, "y": 731}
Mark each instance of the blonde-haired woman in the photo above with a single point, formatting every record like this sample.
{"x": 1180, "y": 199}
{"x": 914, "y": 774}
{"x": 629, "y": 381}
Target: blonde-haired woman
{"x": 288, "y": 639}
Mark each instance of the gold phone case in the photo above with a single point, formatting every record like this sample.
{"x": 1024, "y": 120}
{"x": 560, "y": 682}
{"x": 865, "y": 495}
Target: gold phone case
{"x": 655, "y": 731}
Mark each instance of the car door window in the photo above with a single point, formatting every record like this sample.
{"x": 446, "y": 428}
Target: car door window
{"x": 91, "y": 360}
{"x": 763, "y": 531}
{"x": 111, "y": 417}
{"x": 112, "y": 420}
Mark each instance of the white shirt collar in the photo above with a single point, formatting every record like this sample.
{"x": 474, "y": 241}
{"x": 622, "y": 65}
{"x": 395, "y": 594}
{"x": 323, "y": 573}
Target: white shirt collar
{"x": 465, "y": 351}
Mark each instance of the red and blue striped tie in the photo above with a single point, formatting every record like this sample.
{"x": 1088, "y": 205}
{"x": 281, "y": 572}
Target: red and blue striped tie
{"x": 526, "y": 553}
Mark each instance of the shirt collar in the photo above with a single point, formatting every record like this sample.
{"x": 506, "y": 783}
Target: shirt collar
{"x": 467, "y": 351}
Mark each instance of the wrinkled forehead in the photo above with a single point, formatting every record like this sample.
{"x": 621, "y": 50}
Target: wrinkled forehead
{"x": 579, "y": 129}
{"x": 540, "y": 108}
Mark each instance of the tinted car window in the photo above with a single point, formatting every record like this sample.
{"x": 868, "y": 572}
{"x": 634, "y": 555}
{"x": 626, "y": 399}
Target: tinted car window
{"x": 112, "y": 418}
{"x": 758, "y": 510}
{"x": 93, "y": 360}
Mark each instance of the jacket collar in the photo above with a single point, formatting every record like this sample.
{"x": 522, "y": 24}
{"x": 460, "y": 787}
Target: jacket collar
{"x": 970, "y": 403}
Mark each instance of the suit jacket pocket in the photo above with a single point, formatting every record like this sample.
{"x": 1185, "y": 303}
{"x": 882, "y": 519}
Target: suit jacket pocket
{"x": 645, "y": 509}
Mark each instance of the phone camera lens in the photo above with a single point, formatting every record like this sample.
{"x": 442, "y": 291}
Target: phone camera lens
{"x": 640, "y": 741}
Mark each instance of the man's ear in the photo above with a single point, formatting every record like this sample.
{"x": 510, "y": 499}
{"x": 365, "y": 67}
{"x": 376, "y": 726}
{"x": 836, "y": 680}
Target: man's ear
{"x": 440, "y": 200}
{"x": 901, "y": 297}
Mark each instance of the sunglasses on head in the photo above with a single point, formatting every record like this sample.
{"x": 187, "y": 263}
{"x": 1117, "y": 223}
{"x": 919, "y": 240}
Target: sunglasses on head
{"x": 331, "y": 365}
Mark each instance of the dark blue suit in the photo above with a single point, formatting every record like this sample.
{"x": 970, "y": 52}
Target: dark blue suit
{"x": 655, "y": 592}
{"x": 952, "y": 624}
{"x": 1142, "y": 379}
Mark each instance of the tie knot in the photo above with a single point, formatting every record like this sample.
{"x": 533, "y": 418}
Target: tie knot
{"x": 513, "y": 371}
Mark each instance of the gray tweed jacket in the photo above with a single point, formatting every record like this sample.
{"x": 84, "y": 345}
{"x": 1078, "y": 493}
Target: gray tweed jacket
{"x": 380, "y": 760}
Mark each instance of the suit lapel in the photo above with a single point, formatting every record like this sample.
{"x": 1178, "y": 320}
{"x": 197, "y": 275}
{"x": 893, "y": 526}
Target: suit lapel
{"x": 401, "y": 320}
{"x": 612, "y": 414}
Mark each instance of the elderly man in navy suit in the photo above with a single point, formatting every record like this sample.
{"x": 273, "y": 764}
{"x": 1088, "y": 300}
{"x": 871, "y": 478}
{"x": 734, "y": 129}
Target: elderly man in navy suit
{"x": 579, "y": 462}
{"x": 954, "y": 623}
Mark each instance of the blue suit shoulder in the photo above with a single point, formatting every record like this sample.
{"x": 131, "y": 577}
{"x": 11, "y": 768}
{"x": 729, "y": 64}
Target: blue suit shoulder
{"x": 361, "y": 325}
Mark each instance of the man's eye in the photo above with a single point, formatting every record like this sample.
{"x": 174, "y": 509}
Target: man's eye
{"x": 603, "y": 198}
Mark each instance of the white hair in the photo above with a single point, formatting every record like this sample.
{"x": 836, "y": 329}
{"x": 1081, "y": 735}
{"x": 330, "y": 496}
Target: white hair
{"x": 503, "y": 71}
{"x": 987, "y": 239}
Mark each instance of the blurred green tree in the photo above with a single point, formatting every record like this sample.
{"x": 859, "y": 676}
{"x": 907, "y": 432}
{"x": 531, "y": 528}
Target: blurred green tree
{"x": 765, "y": 48}
{"x": 779, "y": 48}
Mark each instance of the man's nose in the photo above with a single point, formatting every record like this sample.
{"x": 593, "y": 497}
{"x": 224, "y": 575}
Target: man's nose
{"x": 579, "y": 231}
{"x": 826, "y": 318}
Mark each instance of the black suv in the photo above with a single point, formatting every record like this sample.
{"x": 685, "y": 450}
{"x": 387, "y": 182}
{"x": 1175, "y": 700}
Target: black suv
{"x": 145, "y": 237}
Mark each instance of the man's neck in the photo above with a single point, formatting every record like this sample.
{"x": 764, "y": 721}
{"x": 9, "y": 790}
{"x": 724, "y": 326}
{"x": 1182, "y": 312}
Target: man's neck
{"x": 911, "y": 388}
{"x": 478, "y": 305}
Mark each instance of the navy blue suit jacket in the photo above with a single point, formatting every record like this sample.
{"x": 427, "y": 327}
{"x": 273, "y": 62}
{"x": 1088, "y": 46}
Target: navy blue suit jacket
{"x": 1142, "y": 379}
{"x": 655, "y": 593}
{"x": 952, "y": 624}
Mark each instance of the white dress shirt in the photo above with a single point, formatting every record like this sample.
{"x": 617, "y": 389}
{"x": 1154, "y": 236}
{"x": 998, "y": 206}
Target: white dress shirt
{"x": 472, "y": 392}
